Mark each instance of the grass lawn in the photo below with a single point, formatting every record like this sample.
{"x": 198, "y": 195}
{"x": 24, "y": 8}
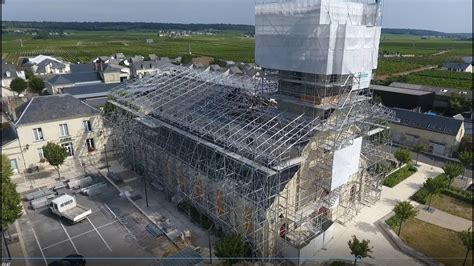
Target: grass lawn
{"x": 453, "y": 206}
{"x": 400, "y": 175}
{"x": 434, "y": 241}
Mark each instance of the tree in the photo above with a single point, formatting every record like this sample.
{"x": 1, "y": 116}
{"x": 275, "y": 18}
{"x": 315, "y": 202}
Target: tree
{"x": 232, "y": 247}
{"x": 467, "y": 241}
{"x": 452, "y": 170}
{"x": 11, "y": 201}
{"x": 403, "y": 155}
{"x": 55, "y": 155}
{"x": 36, "y": 84}
{"x": 29, "y": 73}
{"x": 418, "y": 149}
{"x": 359, "y": 249}
{"x": 466, "y": 159}
{"x": 433, "y": 187}
{"x": 404, "y": 211}
{"x": 377, "y": 99}
{"x": 18, "y": 85}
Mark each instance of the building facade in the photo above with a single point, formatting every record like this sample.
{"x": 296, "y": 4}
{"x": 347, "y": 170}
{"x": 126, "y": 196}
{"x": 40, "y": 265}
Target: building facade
{"x": 61, "y": 119}
{"x": 439, "y": 135}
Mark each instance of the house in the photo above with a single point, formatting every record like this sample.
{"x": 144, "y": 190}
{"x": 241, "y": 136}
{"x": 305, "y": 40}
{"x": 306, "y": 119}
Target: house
{"x": 467, "y": 59}
{"x": 143, "y": 68}
{"x": 44, "y": 65}
{"x": 81, "y": 75}
{"x": 404, "y": 98}
{"x": 95, "y": 95}
{"x": 442, "y": 95}
{"x": 458, "y": 67}
{"x": 61, "y": 119}
{"x": 9, "y": 73}
{"x": 120, "y": 56}
{"x": 440, "y": 135}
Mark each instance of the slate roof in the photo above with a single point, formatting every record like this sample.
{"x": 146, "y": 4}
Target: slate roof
{"x": 76, "y": 77}
{"x": 439, "y": 124}
{"x": 54, "y": 64}
{"x": 88, "y": 91}
{"x": 110, "y": 69}
{"x": 78, "y": 68}
{"x": 452, "y": 65}
{"x": 400, "y": 90}
{"x": 54, "y": 107}
{"x": 438, "y": 90}
{"x": 59, "y": 80}
{"x": 8, "y": 133}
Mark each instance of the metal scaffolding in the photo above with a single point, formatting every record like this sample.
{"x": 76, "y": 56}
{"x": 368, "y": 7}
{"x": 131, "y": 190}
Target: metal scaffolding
{"x": 224, "y": 145}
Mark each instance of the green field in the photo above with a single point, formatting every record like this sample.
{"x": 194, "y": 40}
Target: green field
{"x": 83, "y": 46}
{"x": 441, "y": 78}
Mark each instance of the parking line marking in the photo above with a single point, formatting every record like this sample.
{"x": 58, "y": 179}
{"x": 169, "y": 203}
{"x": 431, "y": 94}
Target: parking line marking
{"x": 81, "y": 234}
{"x": 37, "y": 242}
{"x": 107, "y": 245}
{"x": 74, "y": 246}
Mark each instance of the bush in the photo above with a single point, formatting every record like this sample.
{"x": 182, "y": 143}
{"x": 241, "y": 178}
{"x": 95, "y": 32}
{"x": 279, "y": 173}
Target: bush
{"x": 462, "y": 195}
{"x": 399, "y": 175}
{"x": 393, "y": 222}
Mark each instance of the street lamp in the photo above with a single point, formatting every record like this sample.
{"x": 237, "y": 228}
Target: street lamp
{"x": 209, "y": 239}
{"x": 106, "y": 159}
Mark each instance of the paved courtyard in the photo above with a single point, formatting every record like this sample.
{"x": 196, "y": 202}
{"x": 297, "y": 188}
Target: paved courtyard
{"x": 364, "y": 225}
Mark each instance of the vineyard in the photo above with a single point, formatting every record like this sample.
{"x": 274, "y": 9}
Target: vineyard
{"x": 85, "y": 46}
{"x": 442, "y": 78}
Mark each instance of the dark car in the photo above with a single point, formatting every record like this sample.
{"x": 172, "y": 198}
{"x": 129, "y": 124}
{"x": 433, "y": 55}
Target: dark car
{"x": 70, "y": 260}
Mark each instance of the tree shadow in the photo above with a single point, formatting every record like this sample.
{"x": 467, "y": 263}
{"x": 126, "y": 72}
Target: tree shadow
{"x": 366, "y": 227}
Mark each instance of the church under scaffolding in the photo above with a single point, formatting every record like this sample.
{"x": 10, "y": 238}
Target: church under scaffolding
{"x": 279, "y": 158}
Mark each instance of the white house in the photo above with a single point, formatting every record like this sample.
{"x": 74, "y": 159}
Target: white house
{"x": 458, "y": 67}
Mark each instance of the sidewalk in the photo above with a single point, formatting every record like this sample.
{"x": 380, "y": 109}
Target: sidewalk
{"x": 364, "y": 227}
{"x": 444, "y": 219}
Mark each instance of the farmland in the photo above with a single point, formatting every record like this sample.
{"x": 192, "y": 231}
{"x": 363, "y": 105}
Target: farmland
{"x": 85, "y": 46}
{"x": 441, "y": 78}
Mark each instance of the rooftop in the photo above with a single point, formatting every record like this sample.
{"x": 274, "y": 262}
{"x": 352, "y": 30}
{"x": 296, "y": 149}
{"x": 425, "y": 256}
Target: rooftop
{"x": 52, "y": 108}
{"x": 439, "y": 124}
{"x": 456, "y": 65}
{"x": 76, "y": 77}
{"x": 441, "y": 91}
{"x": 90, "y": 91}
{"x": 400, "y": 90}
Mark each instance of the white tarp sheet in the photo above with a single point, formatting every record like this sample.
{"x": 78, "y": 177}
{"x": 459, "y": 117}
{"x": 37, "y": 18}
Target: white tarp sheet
{"x": 346, "y": 163}
{"x": 318, "y": 36}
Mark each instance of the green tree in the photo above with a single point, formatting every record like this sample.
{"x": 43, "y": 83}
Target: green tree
{"x": 452, "y": 170}
{"x": 418, "y": 149}
{"x": 11, "y": 201}
{"x": 29, "y": 73}
{"x": 467, "y": 241}
{"x": 359, "y": 249}
{"x": 466, "y": 143}
{"x": 232, "y": 247}
{"x": 433, "y": 187}
{"x": 466, "y": 159}
{"x": 18, "y": 85}
{"x": 36, "y": 84}
{"x": 55, "y": 155}
{"x": 459, "y": 103}
{"x": 404, "y": 211}
{"x": 403, "y": 155}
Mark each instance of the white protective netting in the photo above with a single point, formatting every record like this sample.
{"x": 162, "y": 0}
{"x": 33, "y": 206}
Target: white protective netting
{"x": 318, "y": 36}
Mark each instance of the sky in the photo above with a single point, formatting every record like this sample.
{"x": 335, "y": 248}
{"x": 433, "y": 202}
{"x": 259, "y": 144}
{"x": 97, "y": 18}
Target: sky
{"x": 441, "y": 15}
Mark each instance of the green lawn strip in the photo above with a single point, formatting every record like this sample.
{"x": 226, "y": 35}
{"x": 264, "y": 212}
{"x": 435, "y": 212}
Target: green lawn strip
{"x": 434, "y": 241}
{"x": 398, "y": 176}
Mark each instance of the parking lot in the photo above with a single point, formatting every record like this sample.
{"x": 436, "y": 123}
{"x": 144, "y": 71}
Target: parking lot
{"x": 114, "y": 230}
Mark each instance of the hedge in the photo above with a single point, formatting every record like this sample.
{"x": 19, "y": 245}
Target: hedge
{"x": 421, "y": 195}
{"x": 398, "y": 176}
